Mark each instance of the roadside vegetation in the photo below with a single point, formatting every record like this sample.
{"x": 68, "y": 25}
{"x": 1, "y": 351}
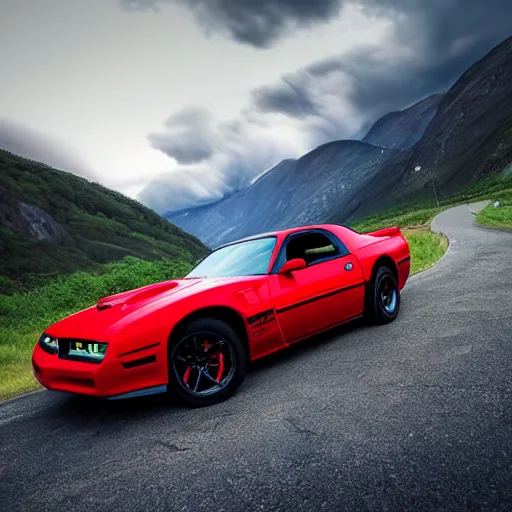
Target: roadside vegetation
{"x": 500, "y": 216}
{"x": 25, "y": 314}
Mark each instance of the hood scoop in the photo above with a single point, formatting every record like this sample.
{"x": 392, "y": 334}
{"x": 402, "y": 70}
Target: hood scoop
{"x": 135, "y": 296}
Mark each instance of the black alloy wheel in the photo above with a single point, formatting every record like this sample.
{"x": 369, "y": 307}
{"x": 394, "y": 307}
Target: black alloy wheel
{"x": 207, "y": 362}
{"x": 383, "y": 297}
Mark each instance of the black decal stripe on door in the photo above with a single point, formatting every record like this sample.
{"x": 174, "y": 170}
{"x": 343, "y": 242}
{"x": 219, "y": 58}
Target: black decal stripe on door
{"x": 262, "y": 317}
{"x": 319, "y": 297}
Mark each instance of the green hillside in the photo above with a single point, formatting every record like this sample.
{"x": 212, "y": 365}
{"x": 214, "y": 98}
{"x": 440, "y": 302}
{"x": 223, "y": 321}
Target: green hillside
{"x": 54, "y": 223}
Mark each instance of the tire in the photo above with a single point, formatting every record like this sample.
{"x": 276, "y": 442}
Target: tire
{"x": 383, "y": 297}
{"x": 207, "y": 362}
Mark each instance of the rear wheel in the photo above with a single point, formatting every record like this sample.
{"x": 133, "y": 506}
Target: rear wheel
{"x": 207, "y": 362}
{"x": 383, "y": 297}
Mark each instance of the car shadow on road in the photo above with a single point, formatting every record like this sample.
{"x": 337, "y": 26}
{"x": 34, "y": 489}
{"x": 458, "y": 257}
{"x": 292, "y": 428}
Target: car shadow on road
{"x": 78, "y": 405}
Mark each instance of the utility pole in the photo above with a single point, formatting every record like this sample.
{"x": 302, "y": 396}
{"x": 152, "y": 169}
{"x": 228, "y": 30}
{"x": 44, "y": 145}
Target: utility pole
{"x": 435, "y": 191}
{"x": 431, "y": 176}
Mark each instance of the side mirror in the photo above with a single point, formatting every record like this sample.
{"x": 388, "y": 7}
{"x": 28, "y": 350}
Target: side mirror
{"x": 291, "y": 265}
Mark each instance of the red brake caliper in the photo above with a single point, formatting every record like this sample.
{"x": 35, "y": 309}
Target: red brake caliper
{"x": 220, "y": 358}
{"x": 221, "y": 367}
{"x": 186, "y": 375}
{"x": 188, "y": 371}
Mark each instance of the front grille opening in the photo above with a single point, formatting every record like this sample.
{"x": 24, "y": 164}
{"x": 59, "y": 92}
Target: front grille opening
{"x": 77, "y": 381}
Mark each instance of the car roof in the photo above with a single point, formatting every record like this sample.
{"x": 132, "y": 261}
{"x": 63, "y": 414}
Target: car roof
{"x": 282, "y": 233}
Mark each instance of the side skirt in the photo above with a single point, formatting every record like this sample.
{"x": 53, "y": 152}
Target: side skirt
{"x": 140, "y": 392}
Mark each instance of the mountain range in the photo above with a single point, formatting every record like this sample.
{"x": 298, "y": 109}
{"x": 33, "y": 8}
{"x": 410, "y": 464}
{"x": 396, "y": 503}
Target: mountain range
{"x": 454, "y": 138}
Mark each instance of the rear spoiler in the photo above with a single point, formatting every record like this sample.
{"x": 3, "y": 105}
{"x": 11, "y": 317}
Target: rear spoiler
{"x": 395, "y": 230}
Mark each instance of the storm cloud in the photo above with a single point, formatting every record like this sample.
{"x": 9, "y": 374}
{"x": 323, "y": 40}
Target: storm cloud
{"x": 288, "y": 98}
{"x": 188, "y": 138}
{"x": 435, "y": 24}
{"x": 428, "y": 48}
{"x": 433, "y": 44}
{"x": 255, "y": 22}
{"x": 335, "y": 97}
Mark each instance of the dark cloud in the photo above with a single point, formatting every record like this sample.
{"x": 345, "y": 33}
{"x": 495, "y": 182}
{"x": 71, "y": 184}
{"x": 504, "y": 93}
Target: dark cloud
{"x": 443, "y": 24}
{"x": 435, "y": 42}
{"x": 433, "y": 24}
{"x": 261, "y": 22}
{"x": 288, "y": 98}
{"x": 255, "y": 22}
{"x": 188, "y": 138}
{"x": 28, "y": 143}
{"x": 186, "y": 148}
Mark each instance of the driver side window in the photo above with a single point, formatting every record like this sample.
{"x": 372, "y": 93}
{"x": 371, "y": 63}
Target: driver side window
{"x": 311, "y": 247}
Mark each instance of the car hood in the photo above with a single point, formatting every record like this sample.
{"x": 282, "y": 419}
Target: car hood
{"x": 110, "y": 314}
{"x": 149, "y": 293}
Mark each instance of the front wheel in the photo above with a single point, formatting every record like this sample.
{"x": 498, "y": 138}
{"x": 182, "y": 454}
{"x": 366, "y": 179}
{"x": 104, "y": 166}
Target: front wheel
{"x": 383, "y": 297}
{"x": 207, "y": 362}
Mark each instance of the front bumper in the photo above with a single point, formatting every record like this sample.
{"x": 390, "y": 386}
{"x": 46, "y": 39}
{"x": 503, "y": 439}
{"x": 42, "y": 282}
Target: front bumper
{"x": 109, "y": 379}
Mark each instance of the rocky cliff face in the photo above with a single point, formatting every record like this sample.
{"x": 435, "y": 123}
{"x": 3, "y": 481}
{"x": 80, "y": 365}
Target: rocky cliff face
{"x": 456, "y": 137}
{"x": 38, "y": 224}
{"x": 28, "y": 219}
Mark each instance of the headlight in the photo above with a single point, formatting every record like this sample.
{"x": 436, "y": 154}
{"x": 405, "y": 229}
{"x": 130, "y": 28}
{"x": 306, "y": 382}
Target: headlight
{"x": 49, "y": 343}
{"x": 73, "y": 349}
{"x": 92, "y": 351}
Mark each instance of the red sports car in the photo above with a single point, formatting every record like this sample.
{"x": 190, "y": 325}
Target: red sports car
{"x": 195, "y": 336}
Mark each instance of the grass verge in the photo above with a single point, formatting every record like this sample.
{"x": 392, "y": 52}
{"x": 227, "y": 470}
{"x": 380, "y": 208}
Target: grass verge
{"x": 500, "y": 217}
{"x": 426, "y": 248}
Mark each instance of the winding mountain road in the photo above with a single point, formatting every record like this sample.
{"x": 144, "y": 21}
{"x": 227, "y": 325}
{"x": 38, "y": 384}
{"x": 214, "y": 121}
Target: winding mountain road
{"x": 415, "y": 415}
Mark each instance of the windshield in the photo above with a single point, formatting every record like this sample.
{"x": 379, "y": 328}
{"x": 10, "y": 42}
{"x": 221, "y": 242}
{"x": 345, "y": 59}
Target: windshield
{"x": 242, "y": 259}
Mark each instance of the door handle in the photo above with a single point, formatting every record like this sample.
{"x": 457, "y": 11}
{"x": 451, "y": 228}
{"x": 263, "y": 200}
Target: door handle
{"x": 349, "y": 265}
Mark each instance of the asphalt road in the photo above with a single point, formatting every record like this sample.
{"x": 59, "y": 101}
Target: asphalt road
{"x": 416, "y": 415}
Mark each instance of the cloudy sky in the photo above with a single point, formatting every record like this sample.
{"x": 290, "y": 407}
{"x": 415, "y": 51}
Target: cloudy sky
{"x": 189, "y": 100}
